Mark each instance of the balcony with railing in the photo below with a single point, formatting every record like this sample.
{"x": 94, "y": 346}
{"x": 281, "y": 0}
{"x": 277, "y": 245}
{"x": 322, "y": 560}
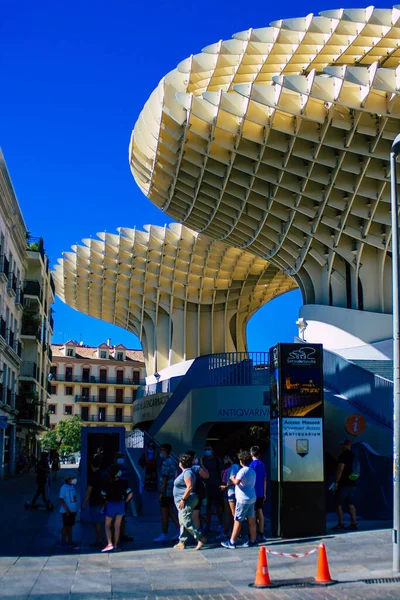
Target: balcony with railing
{"x": 33, "y": 289}
{"x": 12, "y": 284}
{"x": 53, "y": 287}
{"x": 29, "y": 370}
{"x": 27, "y": 411}
{"x": 102, "y": 399}
{"x": 93, "y": 380}
{"x": 4, "y": 268}
{"x": 100, "y": 418}
{"x": 13, "y": 343}
{"x": 31, "y": 326}
{"x": 36, "y": 244}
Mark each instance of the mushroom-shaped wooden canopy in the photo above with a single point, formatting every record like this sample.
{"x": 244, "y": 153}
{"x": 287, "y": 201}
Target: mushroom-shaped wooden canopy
{"x": 181, "y": 293}
{"x": 277, "y": 142}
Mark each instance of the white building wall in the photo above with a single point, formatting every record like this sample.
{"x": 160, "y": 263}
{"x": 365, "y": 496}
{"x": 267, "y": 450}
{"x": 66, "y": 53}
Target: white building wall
{"x": 12, "y": 273}
{"x": 351, "y": 333}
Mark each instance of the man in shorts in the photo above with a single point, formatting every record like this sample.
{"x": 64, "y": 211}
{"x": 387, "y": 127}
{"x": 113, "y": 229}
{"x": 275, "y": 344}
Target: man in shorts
{"x": 345, "y": 487}
{"x": 261, "y": 490}
{"x": 245, "y": 494}
{"x": 168, "y": 470}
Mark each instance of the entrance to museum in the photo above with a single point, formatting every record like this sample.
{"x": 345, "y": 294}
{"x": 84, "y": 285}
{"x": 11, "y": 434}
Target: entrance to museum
{"x": 234, "y": 436}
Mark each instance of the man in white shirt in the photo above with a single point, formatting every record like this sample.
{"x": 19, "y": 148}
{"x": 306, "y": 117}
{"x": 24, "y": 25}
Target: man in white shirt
{"x": 245, "y": 494}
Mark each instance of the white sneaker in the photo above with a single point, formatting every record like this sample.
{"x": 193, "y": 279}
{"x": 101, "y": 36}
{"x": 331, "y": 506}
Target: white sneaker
{"x": 176, "y": 536}
{"x": 161, "y": 538}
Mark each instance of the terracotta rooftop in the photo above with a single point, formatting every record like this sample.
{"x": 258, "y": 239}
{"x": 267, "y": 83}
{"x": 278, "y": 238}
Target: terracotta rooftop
{"x": 90, "y": 352}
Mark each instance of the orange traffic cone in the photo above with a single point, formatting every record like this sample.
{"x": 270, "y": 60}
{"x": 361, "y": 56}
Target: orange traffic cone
{"x": 323, "y": 576}
{"x": 262, "y": 579}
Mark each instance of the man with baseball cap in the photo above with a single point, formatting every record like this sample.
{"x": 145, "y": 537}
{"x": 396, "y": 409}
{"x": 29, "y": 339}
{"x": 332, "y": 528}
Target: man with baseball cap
{"x": 345, "y": 486}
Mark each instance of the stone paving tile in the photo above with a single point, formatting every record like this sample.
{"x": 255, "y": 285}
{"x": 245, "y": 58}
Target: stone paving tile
{"x": 6, "y": 561}
{"x": 53, "y": 583}
{"x": 93, "y": 583}
{"x": 49, "y": 596}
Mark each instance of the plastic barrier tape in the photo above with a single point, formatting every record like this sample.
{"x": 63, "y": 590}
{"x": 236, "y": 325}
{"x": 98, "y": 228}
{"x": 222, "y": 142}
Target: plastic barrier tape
{"x": 286, "y": 555}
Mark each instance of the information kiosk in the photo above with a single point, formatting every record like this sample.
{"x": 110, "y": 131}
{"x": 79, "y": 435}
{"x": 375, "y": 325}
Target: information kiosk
{"x": 296, "y": 434}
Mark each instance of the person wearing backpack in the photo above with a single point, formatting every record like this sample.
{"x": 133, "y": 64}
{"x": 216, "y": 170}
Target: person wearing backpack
{"x": 345, "y": 485}
{"x": 200, "y": 489}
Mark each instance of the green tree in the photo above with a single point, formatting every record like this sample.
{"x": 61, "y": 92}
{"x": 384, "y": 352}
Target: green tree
{"x": 69, "y": 432}
{"x": 50, "y": 440}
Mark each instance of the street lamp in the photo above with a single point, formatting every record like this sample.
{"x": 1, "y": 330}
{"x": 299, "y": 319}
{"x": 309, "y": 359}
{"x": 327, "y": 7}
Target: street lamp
{"x": 394, "y": 205}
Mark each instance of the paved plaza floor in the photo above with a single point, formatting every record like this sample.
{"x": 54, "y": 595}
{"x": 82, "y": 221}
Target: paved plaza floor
{"x": 34, "y": 566}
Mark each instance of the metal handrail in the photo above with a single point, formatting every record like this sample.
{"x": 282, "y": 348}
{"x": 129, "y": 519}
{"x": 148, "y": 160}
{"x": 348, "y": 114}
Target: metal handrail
{"x": 138, "y": 438}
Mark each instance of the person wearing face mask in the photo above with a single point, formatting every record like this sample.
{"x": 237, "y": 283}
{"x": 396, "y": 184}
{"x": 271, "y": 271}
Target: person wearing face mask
{"x": 215, "y": 467}
{"x": 166, "y": 498}
{"x": 116, "y": 495}
{"x": 201, "y": 475}
{"x": 68, "y": 509}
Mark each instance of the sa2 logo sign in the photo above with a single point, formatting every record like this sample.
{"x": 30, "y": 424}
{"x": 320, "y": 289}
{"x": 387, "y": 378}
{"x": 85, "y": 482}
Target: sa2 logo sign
{"x": 303, "y": 356}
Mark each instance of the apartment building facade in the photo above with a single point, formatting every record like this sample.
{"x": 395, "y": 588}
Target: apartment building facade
{"x": 36, "y": 335}
{"x": 24, "y": 272}
{"x": 97, "y": 383}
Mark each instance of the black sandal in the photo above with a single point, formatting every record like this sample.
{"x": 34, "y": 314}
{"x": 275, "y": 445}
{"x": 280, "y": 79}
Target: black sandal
{"x": 339, "y": 526}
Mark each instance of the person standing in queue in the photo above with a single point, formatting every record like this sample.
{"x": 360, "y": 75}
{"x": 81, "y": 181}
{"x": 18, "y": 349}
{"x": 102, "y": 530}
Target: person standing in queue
{"x": 215, "y": 467}
{"x": 261, "y": 491}
{"x": 228, "y": 489}
{"x": 119, "y": 459}
{"x": 244, "y": 481}
{"x": 95, "y": 499}
{"x": 166, "y": 498}
{"x": 68, "y": 510}
{"x": 116, "y": 495}
{"x": 185, "y": 499}
{"x": 345, "y": 486}
{"x": 201, "y": 474}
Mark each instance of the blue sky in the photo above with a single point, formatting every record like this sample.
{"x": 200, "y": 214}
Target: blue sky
{"x": 75, "y": 76}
